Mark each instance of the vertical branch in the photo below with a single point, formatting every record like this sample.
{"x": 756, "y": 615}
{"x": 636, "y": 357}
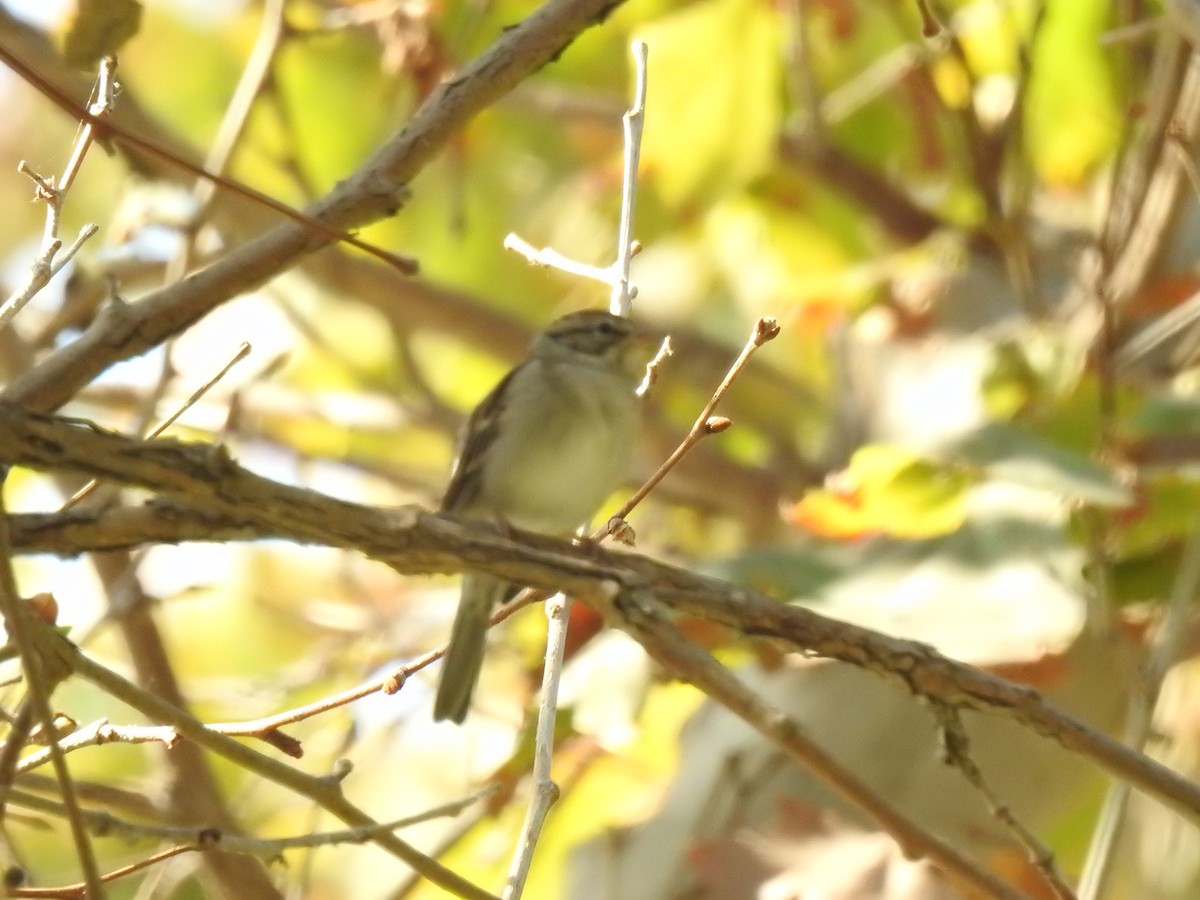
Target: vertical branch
{"x": 191, "y": 790}
{"x": 545, "y": 791}
{"x": 623, "y": 293}
{"x": 558, "y": 607}
{"x": 106, "y": 92}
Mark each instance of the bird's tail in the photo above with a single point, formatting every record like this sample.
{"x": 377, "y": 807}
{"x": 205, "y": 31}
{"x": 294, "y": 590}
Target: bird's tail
{"x": 464, "y": 655}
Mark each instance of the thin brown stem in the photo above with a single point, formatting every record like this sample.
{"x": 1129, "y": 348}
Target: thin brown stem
{"x": 43, "y": 672}
{"x": 765, "y": 330}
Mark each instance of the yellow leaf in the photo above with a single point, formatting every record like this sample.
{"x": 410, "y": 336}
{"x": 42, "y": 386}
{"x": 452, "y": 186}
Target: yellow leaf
{"x": 714, "y": 97}
{"x": 887, "y": 490}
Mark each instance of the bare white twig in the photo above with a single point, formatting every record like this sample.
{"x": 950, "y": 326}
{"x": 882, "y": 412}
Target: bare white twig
{"x": 623, "y": 292}
{"x": 616, "y": 274}
{"x": 101, "y": 732}
{"x": 549, "y": 258}
{"x": 545, "y": 791}
{"x": 558, "y": 607}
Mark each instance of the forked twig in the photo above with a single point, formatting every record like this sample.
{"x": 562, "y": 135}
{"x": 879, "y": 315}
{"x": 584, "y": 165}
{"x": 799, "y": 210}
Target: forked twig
{"x": 49, "y": 262}
{"x": 137, "y": 142}
{"x": 558, "y": 607}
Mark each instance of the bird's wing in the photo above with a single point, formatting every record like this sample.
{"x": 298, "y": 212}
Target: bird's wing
{"x": 478, "y": 434}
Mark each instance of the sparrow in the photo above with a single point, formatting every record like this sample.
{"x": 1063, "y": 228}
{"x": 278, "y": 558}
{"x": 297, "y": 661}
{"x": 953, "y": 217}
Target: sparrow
{"x": 541, "y": 453}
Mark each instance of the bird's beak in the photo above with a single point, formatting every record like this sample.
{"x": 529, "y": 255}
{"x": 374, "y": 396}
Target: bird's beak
{"x": 643, "y": 342}
{"x": 644, "y": 337}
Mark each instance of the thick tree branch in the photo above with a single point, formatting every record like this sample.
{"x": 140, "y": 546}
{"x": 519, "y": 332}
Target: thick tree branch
{"x": 374, "y": 191}
{"x": 237, "y": 504}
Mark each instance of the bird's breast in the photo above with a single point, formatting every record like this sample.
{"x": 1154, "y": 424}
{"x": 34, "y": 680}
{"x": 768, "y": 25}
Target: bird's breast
{"x": 562, "y": 450}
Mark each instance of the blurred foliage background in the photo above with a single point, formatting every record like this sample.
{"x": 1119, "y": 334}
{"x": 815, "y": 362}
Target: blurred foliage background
{"x": 979, "y": 427}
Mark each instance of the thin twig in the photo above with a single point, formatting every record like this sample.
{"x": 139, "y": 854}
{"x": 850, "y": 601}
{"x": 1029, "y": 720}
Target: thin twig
{"x": 207, "y": 837}
{"x": 106, "y": 94}
{"x": 43, "y": 672}
{"x": 255, "y": 75}
{"x": 632, "y": 122}
{"x": 39, "y": 277}
{"x": 46, "y": 266}
{"x": 558, "y": 607}
{"x": 97, "y": 733}
{"x": 242, "y": 352}
{"x": 545, "y": 791}
{"x": 956, "y": 750}
{"x": 83, "y": 892}
{"x": 549, "y": 258}
{"x": 765, "y": 329}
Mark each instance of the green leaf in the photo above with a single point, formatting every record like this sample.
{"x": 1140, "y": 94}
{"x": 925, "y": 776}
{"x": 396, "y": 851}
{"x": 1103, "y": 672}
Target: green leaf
{"x": 1166, "y": 415}
{"x": 1008, "y": 453}
{"x": 1073, "y": 115}
{"x": 772, "y": 254}
{"x": 714, "y": 103}
{"x": 1165, "y": 514}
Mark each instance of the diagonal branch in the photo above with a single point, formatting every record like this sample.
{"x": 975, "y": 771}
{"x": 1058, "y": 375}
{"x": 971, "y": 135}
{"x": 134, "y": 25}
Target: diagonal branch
{"x": 374, "y": 191}
{"x": 644, "y": 621}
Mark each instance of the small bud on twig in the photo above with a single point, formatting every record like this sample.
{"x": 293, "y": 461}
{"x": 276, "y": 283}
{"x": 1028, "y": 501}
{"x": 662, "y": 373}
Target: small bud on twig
{"x": 621, "y": 531}
{"x": 59, "y": 729}
{"x": 716, "y": 424}
{"x": 341, "y": 771}
{"x": 765, "y": 329}
{"x": 45, "y": 607}
{"x": 393, "y": 684}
